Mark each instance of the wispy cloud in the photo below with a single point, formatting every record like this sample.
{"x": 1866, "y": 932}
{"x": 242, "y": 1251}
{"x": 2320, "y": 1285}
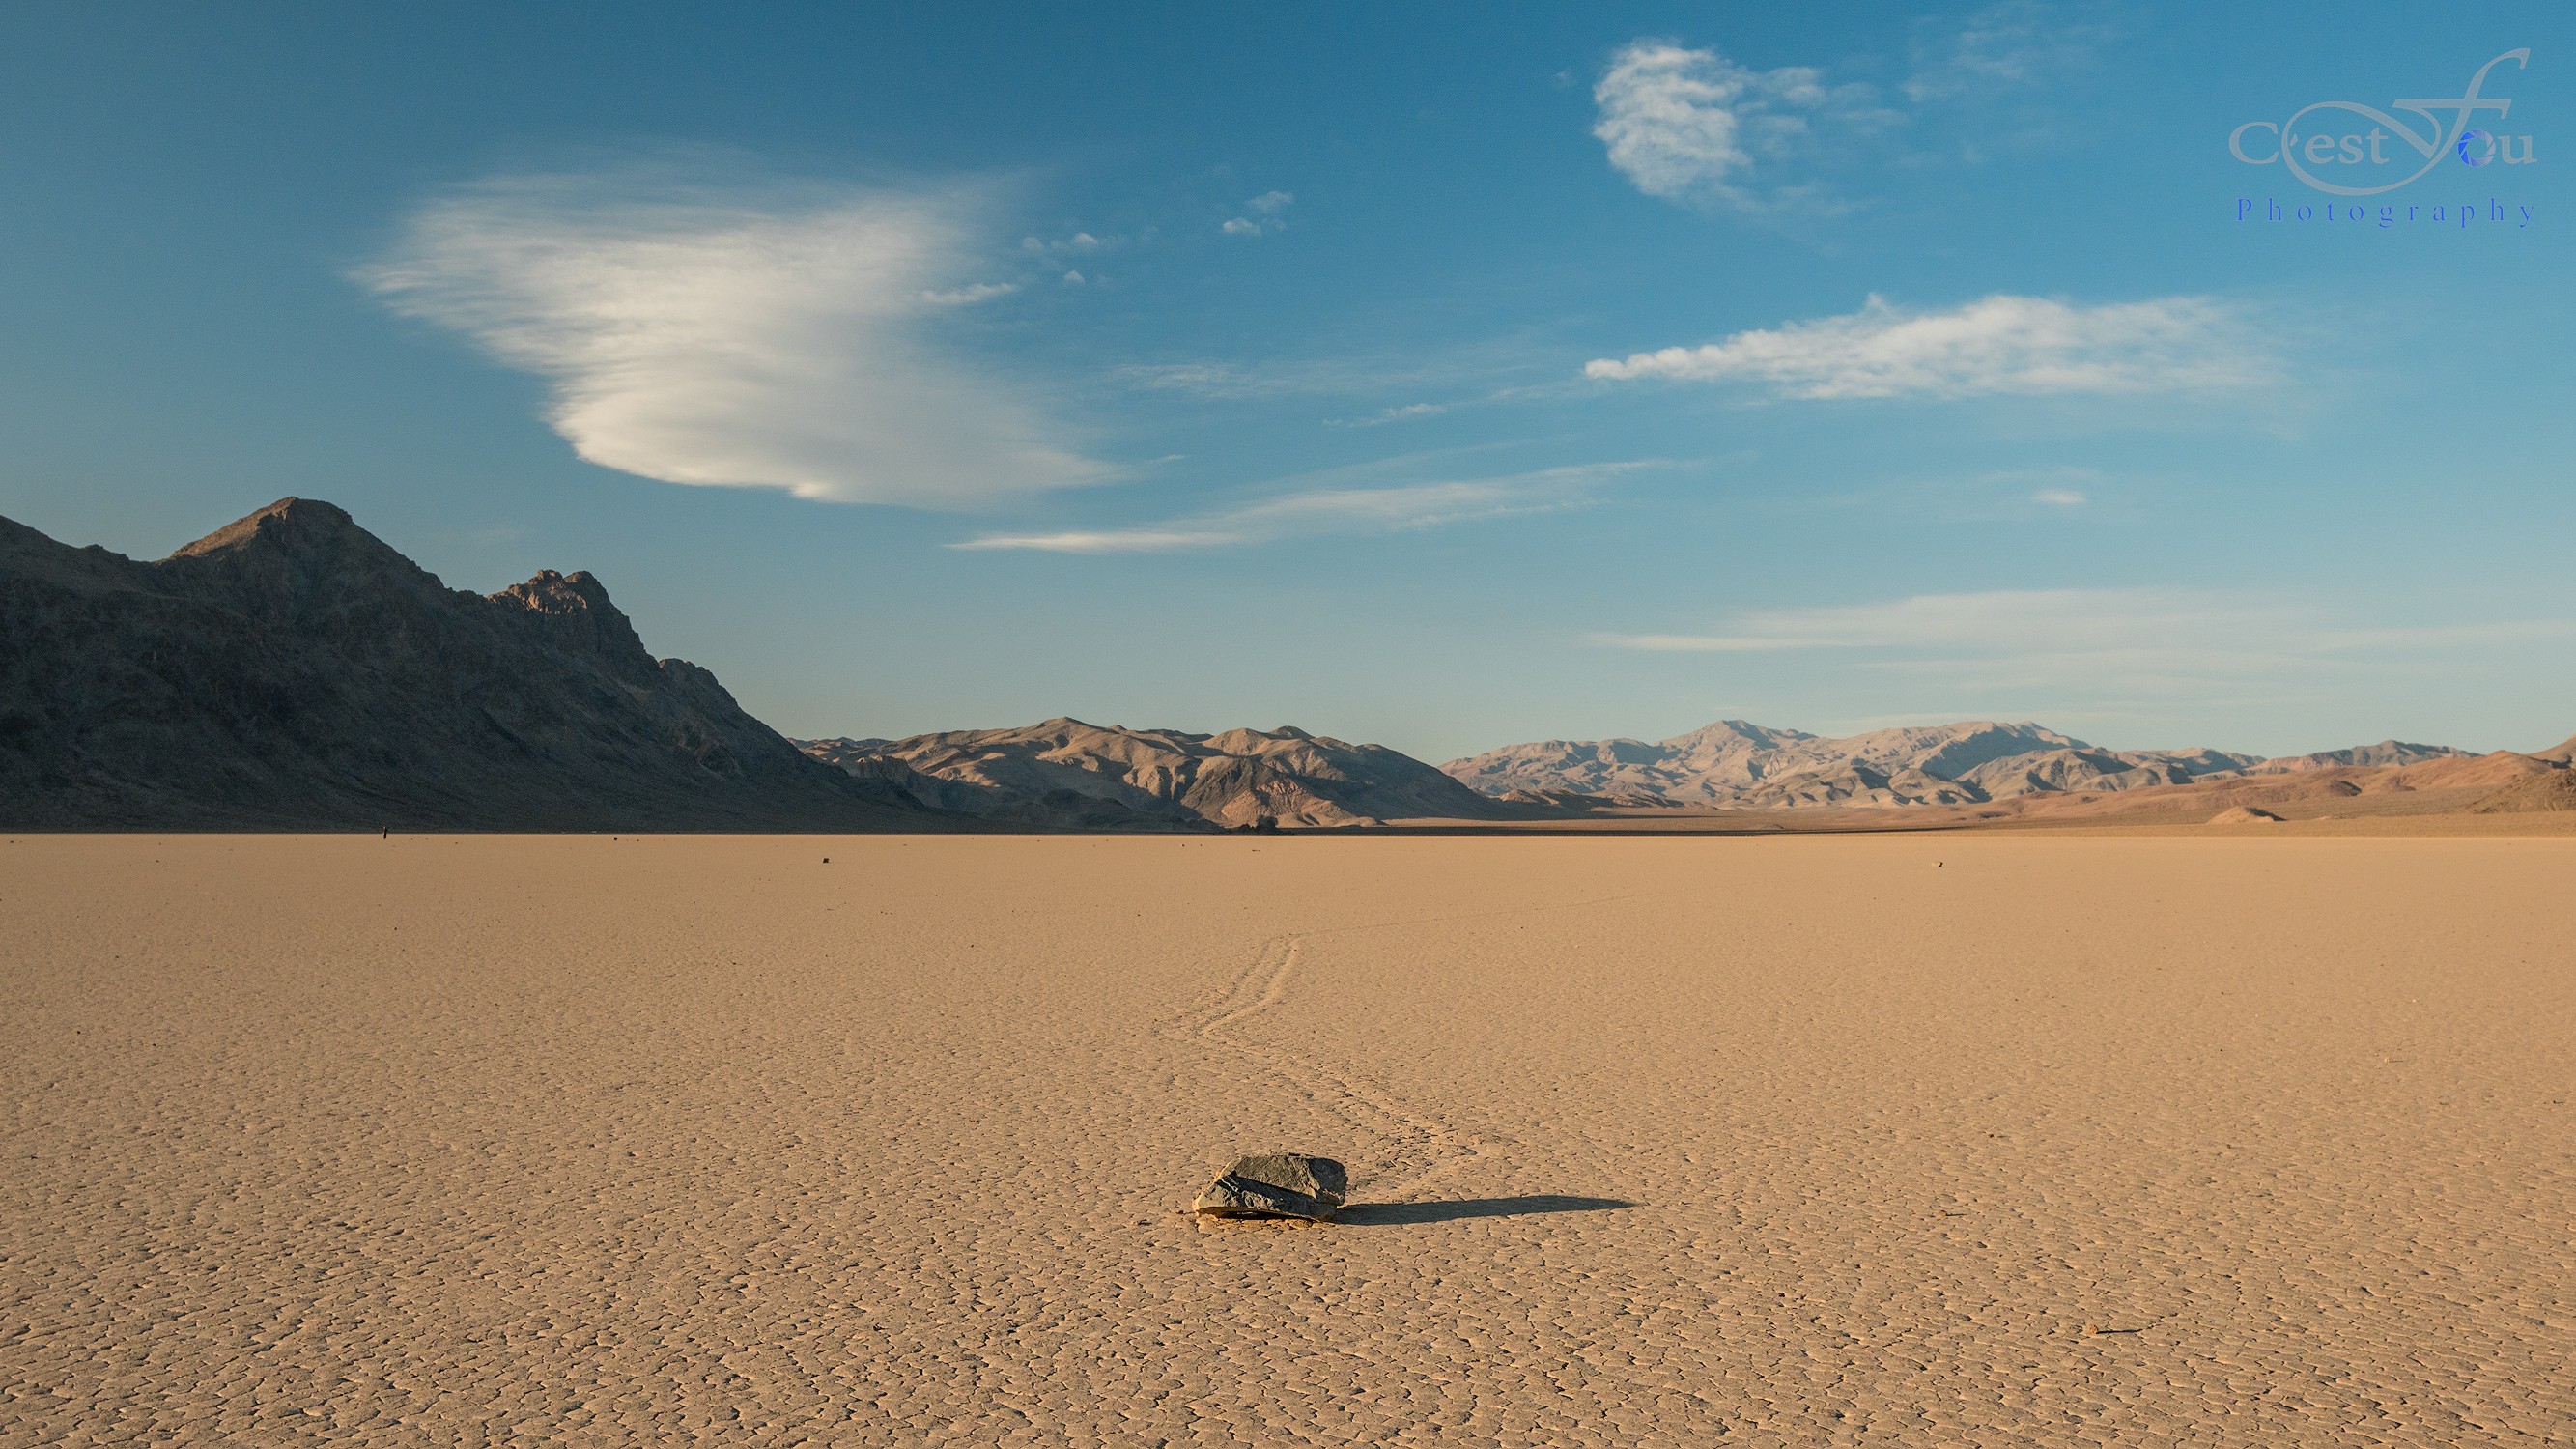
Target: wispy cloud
{"x": 2051, "y": 619}
{"x": 1104, "y": 540}
{"x": 1693, "y": 126}
{"x": 2140, "y": 641}
{"x": 1369, "y": 376}
{"x": 1208, "y": 379}
{"x": 1081, "y": 241}
{"x": 1261, "y": 214}
{"x": 2013, "y": 45}
{"x": 2000, "y": 344}
{"x": 777, "y": 335}
{"x": 1311, "y": 511}
{"x": 967, "y": 296}
{"x": 1405, "y": 414}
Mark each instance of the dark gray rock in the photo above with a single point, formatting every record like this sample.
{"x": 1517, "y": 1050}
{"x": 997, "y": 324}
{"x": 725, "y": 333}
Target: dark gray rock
{"x": 293, "y": 672}
{"x": 1277, "y": 1185}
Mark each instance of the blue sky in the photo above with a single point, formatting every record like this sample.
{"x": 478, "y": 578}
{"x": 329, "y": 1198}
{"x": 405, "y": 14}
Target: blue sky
{"x": 1446, "y": 376}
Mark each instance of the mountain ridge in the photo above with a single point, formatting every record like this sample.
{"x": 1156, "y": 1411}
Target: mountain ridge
{"x": 1065, "y": 771}
{"x": 1734, "y": 764}
{"x": 291, "y": 670}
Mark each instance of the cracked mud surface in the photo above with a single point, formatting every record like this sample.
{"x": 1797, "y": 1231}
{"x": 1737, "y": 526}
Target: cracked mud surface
{"x": 1678, "y": 1142}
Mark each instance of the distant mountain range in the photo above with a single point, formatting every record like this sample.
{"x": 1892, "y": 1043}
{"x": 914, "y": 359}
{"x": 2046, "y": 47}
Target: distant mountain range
{"x": 1063, "y": 772}
{"x": 291, "y": 671}
{"x": 1739, "y": 766}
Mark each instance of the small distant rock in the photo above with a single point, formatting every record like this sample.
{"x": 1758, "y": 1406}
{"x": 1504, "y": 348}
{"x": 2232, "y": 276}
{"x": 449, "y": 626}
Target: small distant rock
{"x": 1277, "y": 1185}
{"x": 2245, "y": 815}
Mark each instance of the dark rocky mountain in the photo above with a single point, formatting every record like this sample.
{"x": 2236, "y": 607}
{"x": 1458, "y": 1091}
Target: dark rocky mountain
{"x": 1066, "y": 773}
{"x": 291, "y": 671}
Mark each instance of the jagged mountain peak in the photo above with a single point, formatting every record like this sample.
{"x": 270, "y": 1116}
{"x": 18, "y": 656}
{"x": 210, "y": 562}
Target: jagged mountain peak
{"x": 578, "y": 615}
{"x": 298, "y": 528}
{"x": 291, "y": 670}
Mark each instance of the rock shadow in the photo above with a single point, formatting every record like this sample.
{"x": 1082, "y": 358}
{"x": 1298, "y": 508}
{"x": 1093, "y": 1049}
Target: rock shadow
{"x": 1393, "y": 1214}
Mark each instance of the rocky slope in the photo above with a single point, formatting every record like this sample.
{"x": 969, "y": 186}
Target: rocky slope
{"x": 291, "y": 671}
{"x": 2562, "y": 753}
{"x": 1066, "y": 772}
{"x": 2555, "y": 791}
{"x": 1735, "y": 765}
{"x": 2450, "y": 782}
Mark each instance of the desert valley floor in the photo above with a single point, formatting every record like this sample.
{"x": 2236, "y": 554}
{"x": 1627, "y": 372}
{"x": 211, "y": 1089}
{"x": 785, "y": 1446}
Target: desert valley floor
{"x": 1915, "y": 1139}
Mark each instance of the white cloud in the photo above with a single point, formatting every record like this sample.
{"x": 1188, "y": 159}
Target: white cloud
{"x": 2009, "y": 46}
{"x": 2060, "y": 618}
{"x": 2058, "y": 498}
{"x": 1327, "y": 378}
{"x": 1369, "y": 377}
{"x": 778, "y": 336}
{"x": 1265, "y": 217}
{"x": 2001, "y": 344}
{"x": 2145, "y": 641}
{"x": 1113, "y": 540}
{"x": 1693, "y": 126}
{"x": 962, "y": 296}
{"x": 1404, "y": 414}
{"x": 1203, "y": 379}
{"x": 1329, "y": 510}
{"x": 1081, "y": 241}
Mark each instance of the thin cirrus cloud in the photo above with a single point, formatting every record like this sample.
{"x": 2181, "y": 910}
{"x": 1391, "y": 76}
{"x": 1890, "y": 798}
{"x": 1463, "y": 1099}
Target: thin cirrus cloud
{"x": 1313, "y": 511}
{"x": 769, "y": 336}
{"x": 2046, "y": 619}
{"x": 1408, "y": 412}
{"x": 1234, "y": 382}
{"x": 1690, "y": 125}
{"x": 1999, "y": 344}
{"x": 1478, "y": 368}
{"x": 2008, "y": 46}
{"x": 2138, "y": 640}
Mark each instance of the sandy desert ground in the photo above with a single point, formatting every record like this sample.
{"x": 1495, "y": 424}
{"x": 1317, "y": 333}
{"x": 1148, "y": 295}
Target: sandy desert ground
{"x": 1999, "y": 1139}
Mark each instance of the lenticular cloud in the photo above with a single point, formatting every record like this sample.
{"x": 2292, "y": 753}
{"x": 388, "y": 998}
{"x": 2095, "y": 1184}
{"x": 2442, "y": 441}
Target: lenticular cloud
{"x": 778, "y": 340}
